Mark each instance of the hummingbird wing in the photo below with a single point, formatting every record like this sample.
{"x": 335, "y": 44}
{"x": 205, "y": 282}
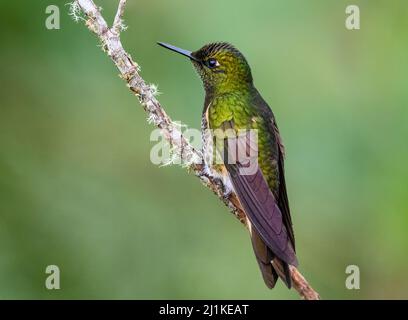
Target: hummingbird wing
{"x": 283, "y": 201}
{"x": 263, "y": 212}
{"x": 281, "y": 194}
{"x": 269, "y": 235}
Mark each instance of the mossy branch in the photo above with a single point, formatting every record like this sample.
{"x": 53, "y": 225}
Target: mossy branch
{"x": 129, "y": 70}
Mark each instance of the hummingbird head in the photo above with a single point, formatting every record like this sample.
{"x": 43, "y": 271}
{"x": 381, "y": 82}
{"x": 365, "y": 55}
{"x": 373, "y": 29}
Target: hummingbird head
{"x": 221, "y": 66}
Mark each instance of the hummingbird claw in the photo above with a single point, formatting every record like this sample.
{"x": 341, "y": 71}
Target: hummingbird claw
{"x": 219, "y": 183}
{"x": 225, "y": 190}
{"x": 227, "y": 193}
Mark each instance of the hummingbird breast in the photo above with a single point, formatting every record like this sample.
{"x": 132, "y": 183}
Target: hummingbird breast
{"x": 237, "y": 112}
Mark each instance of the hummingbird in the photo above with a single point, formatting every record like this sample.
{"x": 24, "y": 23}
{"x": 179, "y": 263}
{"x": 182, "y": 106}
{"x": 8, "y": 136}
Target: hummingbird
{"x": 233, "y": 103}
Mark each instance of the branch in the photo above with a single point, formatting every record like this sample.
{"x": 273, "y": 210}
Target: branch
{"x": 118, "y": 25}
{"x": 190, "y": 157}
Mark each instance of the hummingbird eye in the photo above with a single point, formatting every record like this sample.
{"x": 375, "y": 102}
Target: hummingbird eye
{"x": 212, "y": 63}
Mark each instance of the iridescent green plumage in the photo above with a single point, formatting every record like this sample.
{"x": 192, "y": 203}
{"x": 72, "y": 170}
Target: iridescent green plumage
{"x": 231, "y": 96}
{"x": 232, "y": 102}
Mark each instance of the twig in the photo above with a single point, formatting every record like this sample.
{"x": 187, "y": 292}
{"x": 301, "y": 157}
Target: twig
{"x": 118, "y": 22}
{"x": 190, "y": 157}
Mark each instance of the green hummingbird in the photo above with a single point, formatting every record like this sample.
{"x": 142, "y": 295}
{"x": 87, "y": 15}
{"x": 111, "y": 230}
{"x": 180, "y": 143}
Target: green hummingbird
{"x": 233, "y": 103}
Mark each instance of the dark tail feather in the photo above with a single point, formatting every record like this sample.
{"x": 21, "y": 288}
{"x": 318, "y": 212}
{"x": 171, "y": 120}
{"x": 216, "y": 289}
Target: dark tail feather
{"x": 271, "y": 267}
{"x": 268, "y": 273}
{"x": 264, "y": 257}
{"x": 282, "y": 269}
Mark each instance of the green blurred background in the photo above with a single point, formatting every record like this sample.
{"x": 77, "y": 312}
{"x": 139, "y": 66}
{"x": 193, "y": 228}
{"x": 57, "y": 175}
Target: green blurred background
{"x": 77, "y": 188}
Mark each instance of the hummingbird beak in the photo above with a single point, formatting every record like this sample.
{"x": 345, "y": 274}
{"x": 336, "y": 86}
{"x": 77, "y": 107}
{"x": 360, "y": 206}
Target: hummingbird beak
{"x": 183, "y": 52}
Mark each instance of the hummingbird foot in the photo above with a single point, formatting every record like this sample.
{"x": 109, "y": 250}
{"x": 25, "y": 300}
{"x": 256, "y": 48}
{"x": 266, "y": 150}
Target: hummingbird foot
{"x": 219, "y": 183}
{"x": 221, "y": 180}
{"x": 227, "y": 194}
{"x": 225, "y": 189}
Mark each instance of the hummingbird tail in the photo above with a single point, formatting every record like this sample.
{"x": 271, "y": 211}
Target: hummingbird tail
{"x": 264, "y": 257}
{"x": 282, "y": 269}
{"x": 272, "y": 268}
